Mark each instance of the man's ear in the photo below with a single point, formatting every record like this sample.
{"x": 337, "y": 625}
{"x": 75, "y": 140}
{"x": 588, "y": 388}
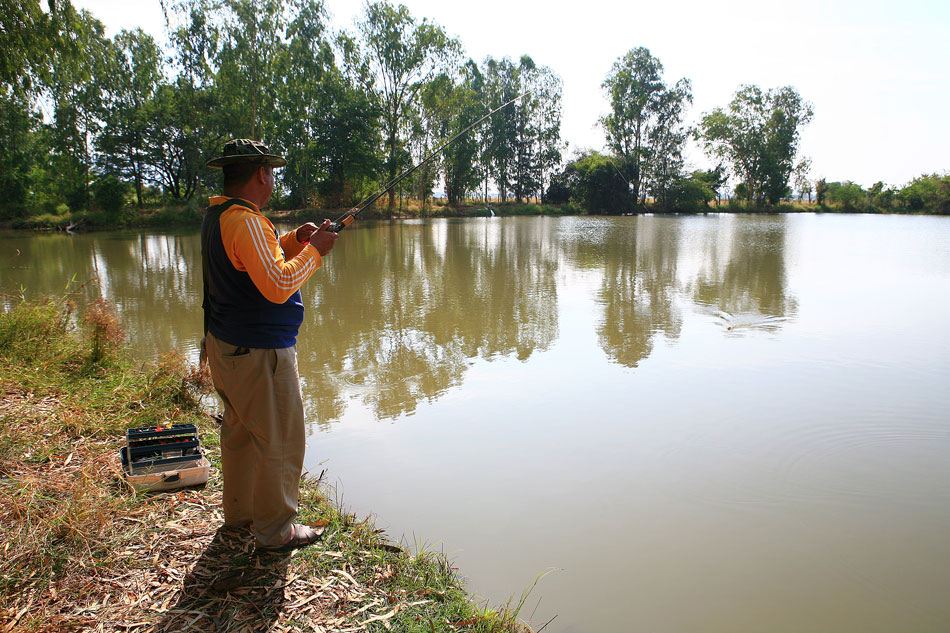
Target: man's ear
{"x": 262, "y": 174}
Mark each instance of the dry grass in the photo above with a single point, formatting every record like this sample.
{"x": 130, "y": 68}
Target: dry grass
{"x": 82, "y": 551}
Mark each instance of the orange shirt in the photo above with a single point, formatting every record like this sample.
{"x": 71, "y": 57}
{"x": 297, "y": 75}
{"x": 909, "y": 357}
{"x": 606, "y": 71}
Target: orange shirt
{"x": 277, "y": 267}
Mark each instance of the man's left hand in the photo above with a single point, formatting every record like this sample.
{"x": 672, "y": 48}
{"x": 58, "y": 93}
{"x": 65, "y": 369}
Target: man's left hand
{"x": 305, "y": 231}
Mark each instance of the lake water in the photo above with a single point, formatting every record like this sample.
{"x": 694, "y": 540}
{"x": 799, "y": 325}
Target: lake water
{"x": 713, "y": 424}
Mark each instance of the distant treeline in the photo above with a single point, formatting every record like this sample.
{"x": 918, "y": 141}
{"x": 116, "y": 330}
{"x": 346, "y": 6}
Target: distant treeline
{"x": 106, "y": 127}
{"x": 91, "y": 122}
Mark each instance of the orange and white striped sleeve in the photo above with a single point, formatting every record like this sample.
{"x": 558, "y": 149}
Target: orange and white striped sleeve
{"x": 252, "y": 245}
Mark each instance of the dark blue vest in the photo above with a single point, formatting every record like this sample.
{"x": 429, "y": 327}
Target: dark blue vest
{"x": 235, "y": 310}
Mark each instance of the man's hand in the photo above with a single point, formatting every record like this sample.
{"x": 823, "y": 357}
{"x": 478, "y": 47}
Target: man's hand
{"x": 321, "y": 239}
{"x": 305, "y": 231}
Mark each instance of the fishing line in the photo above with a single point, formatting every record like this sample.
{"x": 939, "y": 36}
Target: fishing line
{"x": 347, "y": 218}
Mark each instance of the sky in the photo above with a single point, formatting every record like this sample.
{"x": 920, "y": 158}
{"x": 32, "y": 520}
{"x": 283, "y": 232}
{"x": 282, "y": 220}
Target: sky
{"x": 877, "y": 72}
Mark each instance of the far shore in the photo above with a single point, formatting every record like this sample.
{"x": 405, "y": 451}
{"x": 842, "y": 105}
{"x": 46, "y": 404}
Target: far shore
{"x": 191, "y": 214}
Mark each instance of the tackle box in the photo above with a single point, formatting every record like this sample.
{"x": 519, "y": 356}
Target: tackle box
{"x": 163, "y": 457}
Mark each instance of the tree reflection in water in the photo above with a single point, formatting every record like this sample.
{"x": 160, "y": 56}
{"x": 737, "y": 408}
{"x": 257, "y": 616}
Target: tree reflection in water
{"x": 404, "y": 308}
{"x": 401, "y": 310}
{"x": 742, "y": 272}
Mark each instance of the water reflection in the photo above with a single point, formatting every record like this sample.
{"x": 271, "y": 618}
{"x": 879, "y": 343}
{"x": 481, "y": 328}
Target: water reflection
{"x": 639, "y": 288}
{"x": 741, "y": 272}
{"x": 400, "y": 310}
{"x": 403, "y": 308}
{"x": 154, "y": 279}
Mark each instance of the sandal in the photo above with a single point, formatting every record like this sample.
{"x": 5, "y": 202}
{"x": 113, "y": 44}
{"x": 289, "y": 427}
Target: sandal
{"x": 300, "y": 536}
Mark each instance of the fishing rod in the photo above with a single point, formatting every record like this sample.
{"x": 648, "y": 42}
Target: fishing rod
{"x": 347, "y": 218}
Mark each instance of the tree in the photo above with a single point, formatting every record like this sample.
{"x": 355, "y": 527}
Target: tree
{"x": 304, "y": 99}
{"x": 881, "y": 196}
{"x": 19, "y": 129}
{"x": 41, "y": 50}
{"x": 697, "y": 191}
{"x": 758, "y": 135}
{"x": 644, "y": 127}
{"x": 666, "y": 139}
{"x": 188, "y": 118}
{"x": 849, "y": 195}
{"x": 821, "y": 189}
{"x": 498, "y": 154}
{"x": 249, "y": 59}
{"x": 462, "y": 175}
{"x": 548, "y": 89}
{"x": 133, "y": 78}
{"x": 801, "y": 181}
{"x": 537, "y": 132}
{"x": 593, "y": 181}
{"x": 35, "y": 43}
{"x": 930, "y": 192}
{"x": 522, "y": 141}
{"x": 76, "y": 95}
{"x": 403, "y": 56}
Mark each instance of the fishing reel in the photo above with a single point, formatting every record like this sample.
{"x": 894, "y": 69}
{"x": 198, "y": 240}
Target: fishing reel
{"x": 342, "y": 223}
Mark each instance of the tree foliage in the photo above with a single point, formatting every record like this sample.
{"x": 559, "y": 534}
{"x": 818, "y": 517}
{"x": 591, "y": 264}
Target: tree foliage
{"x": 645, "y": 125}
{"x": 523, "y": 145}
{"x": 36, "y": 43}
{"x": 758, "y": 136}
{"x": 403, "y": 56}
{"x": 594, "y": 182}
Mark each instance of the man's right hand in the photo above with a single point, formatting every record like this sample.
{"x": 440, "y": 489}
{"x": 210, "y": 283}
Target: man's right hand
{"x": 323, "y": 239}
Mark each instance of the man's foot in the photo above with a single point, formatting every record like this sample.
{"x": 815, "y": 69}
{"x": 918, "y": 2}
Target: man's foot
{"x": 300, "y": 536}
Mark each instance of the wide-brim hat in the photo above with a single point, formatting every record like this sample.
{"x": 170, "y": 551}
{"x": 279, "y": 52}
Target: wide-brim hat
{"x": 244, "y": 150}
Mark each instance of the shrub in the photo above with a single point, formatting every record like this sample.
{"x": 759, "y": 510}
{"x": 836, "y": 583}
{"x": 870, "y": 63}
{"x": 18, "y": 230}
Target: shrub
{"x": 106, "y": 336}
{"x": 109, "y": 195}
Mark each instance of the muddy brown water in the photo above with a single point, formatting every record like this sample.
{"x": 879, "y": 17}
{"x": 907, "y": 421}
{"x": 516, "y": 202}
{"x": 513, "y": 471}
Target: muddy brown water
{"x": 698, "y": 424}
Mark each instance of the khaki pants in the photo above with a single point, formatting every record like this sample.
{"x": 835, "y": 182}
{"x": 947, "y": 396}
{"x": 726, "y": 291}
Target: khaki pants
{"x": 263, "y": 438}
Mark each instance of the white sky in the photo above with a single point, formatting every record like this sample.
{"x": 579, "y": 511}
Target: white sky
{"x": 876, "y": 71}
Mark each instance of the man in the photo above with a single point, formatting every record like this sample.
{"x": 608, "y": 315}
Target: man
{"x": 253, "y": 311}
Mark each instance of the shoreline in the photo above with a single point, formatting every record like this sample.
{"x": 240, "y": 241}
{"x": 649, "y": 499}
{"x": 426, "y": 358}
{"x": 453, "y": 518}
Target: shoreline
{"x": 191, "y": 215}
{"x": 82, "y": 549}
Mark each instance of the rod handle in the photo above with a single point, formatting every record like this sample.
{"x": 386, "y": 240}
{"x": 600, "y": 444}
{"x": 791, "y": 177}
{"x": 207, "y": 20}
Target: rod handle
{"x": 347, "y": 220}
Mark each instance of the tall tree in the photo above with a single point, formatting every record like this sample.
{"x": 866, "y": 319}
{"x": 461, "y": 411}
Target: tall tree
{"x": 249, "y": 70}
{"x": 634, "y": 87}
{"x": 76, "y": 95}
{"x": 19, "y": 128}
{"x": 666, "y": 139}
{"x": 537, "y": 132}
{"x": 133, "y": 79}
{"x": 801, "y": 181}
{"x": 548, "y": 88}
{"x": 404, "y": 56}
{"x": 464, "y": 107}
{"x": 821, "y": 189}
{"x": 498, "y": 154}
{"x": 303, "y": 98}
{"x": 188, "y": 117}
{"x": 37, "y": 48}
{"x": 758, "y": 135}
{"x": 35, "y": 44}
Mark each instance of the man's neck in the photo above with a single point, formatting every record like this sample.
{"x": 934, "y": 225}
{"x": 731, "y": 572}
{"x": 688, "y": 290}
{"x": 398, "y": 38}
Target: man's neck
{"x": 243, "y": 195}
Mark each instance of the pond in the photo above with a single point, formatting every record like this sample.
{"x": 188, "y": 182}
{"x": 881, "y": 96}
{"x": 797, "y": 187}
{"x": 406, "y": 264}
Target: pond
{"x": 669, "y": 424}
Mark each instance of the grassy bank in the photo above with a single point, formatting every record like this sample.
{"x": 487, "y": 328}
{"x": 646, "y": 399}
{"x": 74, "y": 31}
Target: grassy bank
{"x": 83, "y": 551}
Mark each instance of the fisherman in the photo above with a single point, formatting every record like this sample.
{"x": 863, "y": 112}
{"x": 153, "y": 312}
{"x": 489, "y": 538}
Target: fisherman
{"x": 253, "y": 311}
